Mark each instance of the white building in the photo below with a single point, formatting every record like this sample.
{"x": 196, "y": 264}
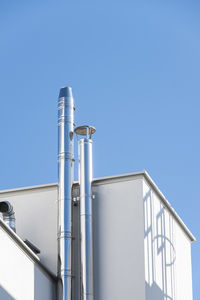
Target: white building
{"x": 113, "y": 238}
{"x": 142, "y": 249}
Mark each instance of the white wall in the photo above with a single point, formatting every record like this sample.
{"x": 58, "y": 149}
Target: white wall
{"x": 167, "y": 252}
{"x": 118, "y": 240}
{"x": 140, "y": 250}
{"x": 20, "y": 277}
{"x": 183, "y": 265}
{"x": 36, "y": 220}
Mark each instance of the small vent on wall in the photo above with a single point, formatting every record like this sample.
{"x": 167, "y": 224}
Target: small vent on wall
{"x": 32, "y": 247}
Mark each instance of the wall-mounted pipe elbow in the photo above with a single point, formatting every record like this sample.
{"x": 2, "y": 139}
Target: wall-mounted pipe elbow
{"x": 8, "y": 214}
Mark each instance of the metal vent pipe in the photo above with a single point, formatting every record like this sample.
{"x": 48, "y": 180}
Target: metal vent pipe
{"x": 8, "y": 214}
{"x": 86, "y": 231}
{"x": 65, "y": 181}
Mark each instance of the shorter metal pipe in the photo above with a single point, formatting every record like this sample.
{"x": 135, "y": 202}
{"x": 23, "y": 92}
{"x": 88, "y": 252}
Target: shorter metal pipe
{"x": 85, "y": 152}
{"x": 86, "y": 232}
{"x": 8, "y": 214}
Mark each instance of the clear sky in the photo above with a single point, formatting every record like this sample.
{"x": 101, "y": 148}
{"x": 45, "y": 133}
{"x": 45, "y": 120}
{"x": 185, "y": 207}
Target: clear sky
{"x": 134, "y": 67}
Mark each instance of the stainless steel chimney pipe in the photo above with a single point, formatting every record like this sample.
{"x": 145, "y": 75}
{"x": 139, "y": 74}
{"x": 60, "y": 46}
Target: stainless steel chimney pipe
{"x": 85, "y": 179}
{"x": 65, "y": 181}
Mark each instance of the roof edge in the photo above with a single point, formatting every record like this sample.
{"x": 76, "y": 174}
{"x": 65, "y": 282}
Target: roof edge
{"x": 33, "y": 187}
{"x": 145, "y": 174}
{"x": 115, "y": 178}
{"x": 168, "y": 205}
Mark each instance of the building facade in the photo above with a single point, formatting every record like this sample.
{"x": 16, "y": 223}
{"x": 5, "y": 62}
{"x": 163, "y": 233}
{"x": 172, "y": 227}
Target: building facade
{"x": 141, "y": 247}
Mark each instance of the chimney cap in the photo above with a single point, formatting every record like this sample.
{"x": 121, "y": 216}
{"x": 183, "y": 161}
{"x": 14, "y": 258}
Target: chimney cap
{"x": 66, "y": 91}
{"x": 85, "y": 130}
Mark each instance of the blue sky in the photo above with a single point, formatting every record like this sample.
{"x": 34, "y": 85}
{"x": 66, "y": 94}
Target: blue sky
{"x": 134, "y": 67}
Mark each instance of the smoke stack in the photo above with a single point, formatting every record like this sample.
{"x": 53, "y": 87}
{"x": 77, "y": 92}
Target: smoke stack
{"x": 86, "y": 230}
{"x": 65, "y": 181}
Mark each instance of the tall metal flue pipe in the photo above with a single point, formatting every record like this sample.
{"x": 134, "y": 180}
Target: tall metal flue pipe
{"x": 86, "y": 231}
{"x": 65, "y": 181}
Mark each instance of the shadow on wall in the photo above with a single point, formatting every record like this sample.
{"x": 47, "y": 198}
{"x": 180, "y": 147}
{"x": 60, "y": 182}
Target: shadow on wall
{"x": 4, "y": 295}
{"x": 154, "y": 292}
{"x": 159, "y": 250}
{"x": 44, "y": 286}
